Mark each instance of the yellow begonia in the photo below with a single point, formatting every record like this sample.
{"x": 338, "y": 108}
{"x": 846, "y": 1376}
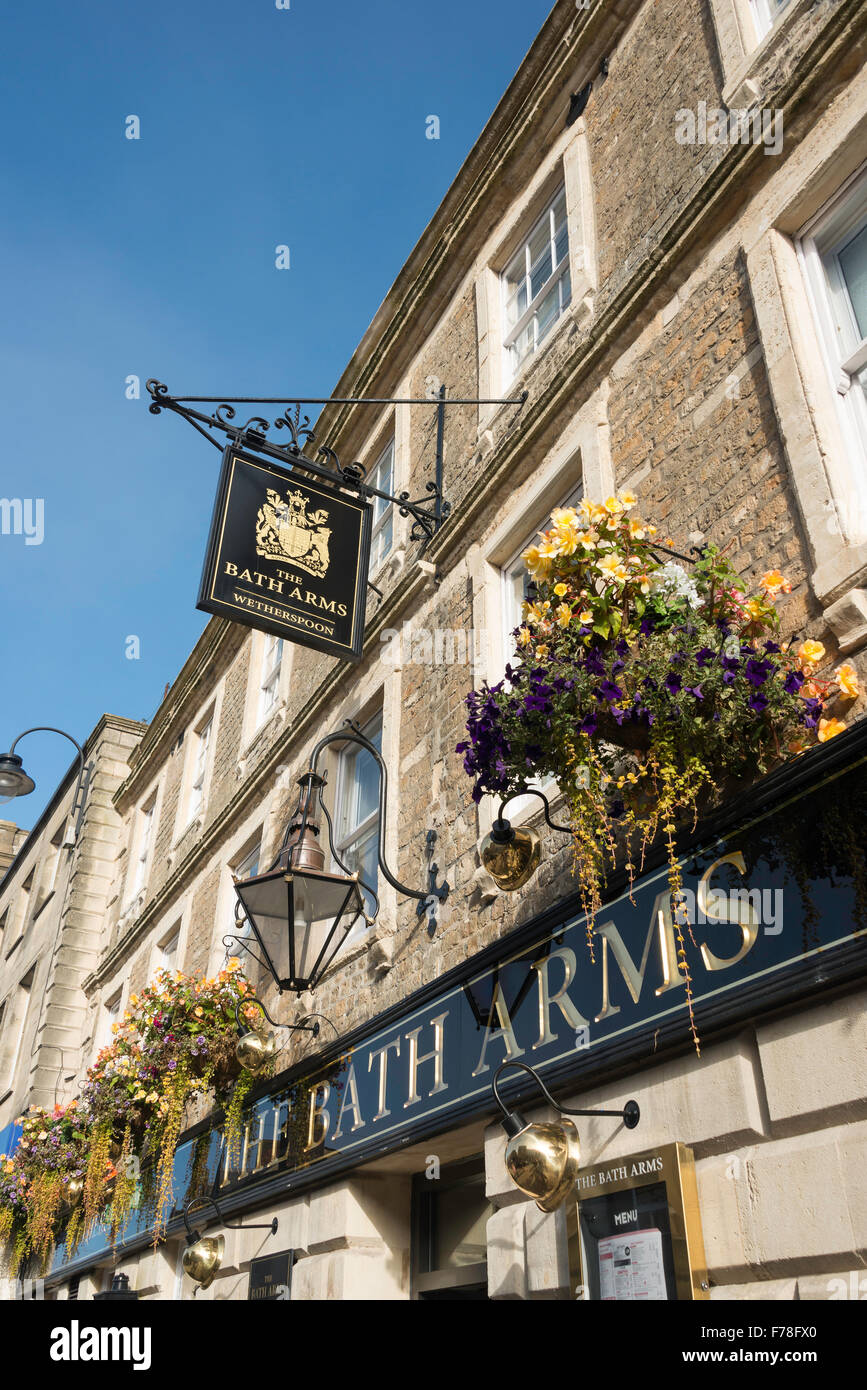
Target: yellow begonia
{"x": 628, "y": 499}
{"x": 585, "y": 616}
{"x": 613, "y": 506}
{"x": 612, "y": 567}
{"x": 564, "y": 517}
{"x": 525, "y": 636}
{"x": 563, "y": 614}
{"x": 542, "y": 650}
{"x": 561, "y": 590}
{"x": 847, "y": 679}
{"x": 829, "y": 728}
{"x": 810, "y": 652}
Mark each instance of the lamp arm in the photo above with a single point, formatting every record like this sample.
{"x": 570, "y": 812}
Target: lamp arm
{"x": 49, "y": 729}
{"x": 212, "y": 1201}
{"x": 531, "y": 791}
{"x": 354, "y": 735}
{"x": 290, "y": 1027}
{"x": 630, "y": 1113}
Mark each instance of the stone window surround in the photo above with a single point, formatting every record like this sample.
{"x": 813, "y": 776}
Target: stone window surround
{"x": 209, "y": 709}
{"x": 131, "y": 902}
{"x": 581, "y": 454}
{"x": 743, "y": 50}
{"x": 176, "y": 921}
{"x": 252, "y": 729}
{"x": 802, "y": 393}
{"x": 565, "y": 165}
{"x": 252, "y": 833}
{"x": 394, "y": 422}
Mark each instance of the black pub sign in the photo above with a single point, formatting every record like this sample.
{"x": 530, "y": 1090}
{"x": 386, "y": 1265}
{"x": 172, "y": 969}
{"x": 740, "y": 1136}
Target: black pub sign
{"x": 287, "y": 556}
{"x": 271, "y": 1276}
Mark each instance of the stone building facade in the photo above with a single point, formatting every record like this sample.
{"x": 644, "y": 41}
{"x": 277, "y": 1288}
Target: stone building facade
{"x": 692, "y": 355}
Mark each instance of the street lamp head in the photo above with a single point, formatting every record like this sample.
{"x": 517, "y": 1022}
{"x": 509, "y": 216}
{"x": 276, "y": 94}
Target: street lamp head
{"x": 13, "y": 779}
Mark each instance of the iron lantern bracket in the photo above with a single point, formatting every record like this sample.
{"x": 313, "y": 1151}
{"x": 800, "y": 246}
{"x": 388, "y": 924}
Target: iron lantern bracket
{"x": 428, "y": 513}
{"x": 351, "y": 733}
{"x": 513, "y": 1122}
{"x": 193, "y": 1236}
{"x": 303, "y": 1027}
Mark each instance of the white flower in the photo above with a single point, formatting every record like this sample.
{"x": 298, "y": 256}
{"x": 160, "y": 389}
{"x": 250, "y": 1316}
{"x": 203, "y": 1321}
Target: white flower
{"x": 732, "y": 646}
{"x": 673, "y": 582}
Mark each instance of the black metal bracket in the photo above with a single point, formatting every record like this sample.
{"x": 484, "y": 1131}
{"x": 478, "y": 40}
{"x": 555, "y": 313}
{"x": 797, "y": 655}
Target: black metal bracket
{"x": 630, "y": 1114}
{"x": 193, "y": 1236}
{"x": 428, "y": 513}
{"x": 303, "y": 1027}
{"x": 436, "y": 893}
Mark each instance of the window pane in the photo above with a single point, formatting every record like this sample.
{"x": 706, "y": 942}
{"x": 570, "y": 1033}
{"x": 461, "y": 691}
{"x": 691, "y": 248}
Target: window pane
{"x": 549, "y": 310}
{"x": 853, "y": 265}
{"x": 462, "y": 1215}
{"x": 540, "y": 241}
{"x": 540, "y": 272}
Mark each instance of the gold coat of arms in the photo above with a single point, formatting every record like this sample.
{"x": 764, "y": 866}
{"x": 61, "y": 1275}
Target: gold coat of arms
{"x": 284, "y": 531}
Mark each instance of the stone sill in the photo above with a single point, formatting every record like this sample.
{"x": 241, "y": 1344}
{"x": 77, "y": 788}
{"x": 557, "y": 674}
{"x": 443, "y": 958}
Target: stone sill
{"x": 742, "y": 90}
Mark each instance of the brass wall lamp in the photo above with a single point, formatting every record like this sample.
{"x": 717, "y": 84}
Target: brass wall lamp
{"x": 543, "y": 1158}
{"x": 255, "y": 1050}
{"x": 511, "y": 856}
{"x": 204, "y": 1254}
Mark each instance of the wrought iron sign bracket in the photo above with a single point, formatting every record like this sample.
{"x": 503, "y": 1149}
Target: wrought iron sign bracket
{"x": 428, "y": 512}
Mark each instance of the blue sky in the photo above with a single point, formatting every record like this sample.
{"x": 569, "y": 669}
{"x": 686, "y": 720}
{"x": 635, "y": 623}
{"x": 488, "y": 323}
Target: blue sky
{"x": 155, "y": 257}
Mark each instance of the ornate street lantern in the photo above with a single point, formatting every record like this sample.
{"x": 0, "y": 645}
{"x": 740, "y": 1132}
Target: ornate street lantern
{"x": 299, "y": 911}
{"x": 543, "y": 1158}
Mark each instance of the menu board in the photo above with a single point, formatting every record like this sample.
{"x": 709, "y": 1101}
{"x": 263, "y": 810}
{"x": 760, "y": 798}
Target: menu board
{"x": 626, "y": 1245}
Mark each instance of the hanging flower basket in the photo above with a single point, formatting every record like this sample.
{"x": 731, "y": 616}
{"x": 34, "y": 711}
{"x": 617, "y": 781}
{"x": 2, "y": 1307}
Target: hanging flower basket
{"x": 72, "y": 1167}
{"x": 647, "y": 687}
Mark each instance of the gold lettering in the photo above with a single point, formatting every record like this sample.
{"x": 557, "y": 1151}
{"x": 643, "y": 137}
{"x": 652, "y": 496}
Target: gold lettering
{"x": 436, "y": 1057}
{"x": 350, "y": 1102}
{"x": 742, "y": 916}
{"x": 561, "y": 998}
{"x": 661, "y": 926}
{"x": 231, "y": 569}
{"x": 318, "y": 1111}
{"x": 504, "y": 1032}
{"x": 382, "y": 1054}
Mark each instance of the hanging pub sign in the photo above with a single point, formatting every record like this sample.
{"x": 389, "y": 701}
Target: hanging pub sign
{"x": 635, "y": 1236}
{"x": 287, "y": 556}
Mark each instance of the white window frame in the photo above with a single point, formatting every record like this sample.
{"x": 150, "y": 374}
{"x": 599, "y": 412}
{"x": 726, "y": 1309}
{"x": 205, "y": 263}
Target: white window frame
{"x": 199, "y": 769}
{"x": 347, "y": 835}
{"x": 146, "y": 818}
{"x": 172, "y": 938}
{"x": 269, "y": 678}
{"x": 509, "y": 613}
{"x": 22, "y": 1007}
{"x": 765, "y": 14}
{"x": 381, "y": 475}
{"x": 560, "y": 271}
{"x": 109, "y": 1013}
{"x": 844, "y": 347}
{"x": 247, "y": 866}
